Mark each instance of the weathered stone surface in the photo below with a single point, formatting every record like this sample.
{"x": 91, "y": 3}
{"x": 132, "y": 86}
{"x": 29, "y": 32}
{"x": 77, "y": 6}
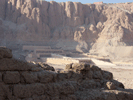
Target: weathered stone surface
{"x": 28, "y": 99}
{"x": 13, "y": 64}
{"x": 68, "y": 87}
{"x": 38, "y": 89}
{"x": 22, "y": 91}
{"x": 53, "y": 89}
{"x": 11, "y": 77}
{"x": 42, "y": 97}
{"x": 118, "y": 84}
{"x": 107, "y": 75}
{"x": 36, "y": 69}
{"x": 5, "y": 53}
{"x": 88, "y": 84}
{"x": 97, "y": 75}
{"x": 80, "y": 66}
{"x": 26, "y": 91}
{"x": 2, "y": 92}
{"x": 69, "y": 97}
{"x": 89, "y": 74}
{"x": 94, "y": 94}
{"x": 110, "y": 85}
{"x": 76, "y": 77}
{"x": 5, "y": 92}
{"x": 46, "y": 66}
{"x": 0, "y": 77}
{"x": 30, "y": 77}
{"x": 62, "y": 76}
{"x": 46, "y": 77}
{"x": 94, "y": 68}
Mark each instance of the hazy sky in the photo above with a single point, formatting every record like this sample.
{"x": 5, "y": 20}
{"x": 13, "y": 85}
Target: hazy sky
{"x": 91, "y": 1}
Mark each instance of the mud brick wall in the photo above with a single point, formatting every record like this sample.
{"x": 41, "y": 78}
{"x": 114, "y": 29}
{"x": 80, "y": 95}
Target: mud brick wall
{"x": 25, "y": 81}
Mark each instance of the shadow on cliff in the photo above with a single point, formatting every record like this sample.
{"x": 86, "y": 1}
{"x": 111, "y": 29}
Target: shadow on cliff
{"x": 55, "y": 23}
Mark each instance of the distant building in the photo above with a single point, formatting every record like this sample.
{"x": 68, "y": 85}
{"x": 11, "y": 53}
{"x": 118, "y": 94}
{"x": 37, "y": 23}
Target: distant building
{"x": 98, "y": 2}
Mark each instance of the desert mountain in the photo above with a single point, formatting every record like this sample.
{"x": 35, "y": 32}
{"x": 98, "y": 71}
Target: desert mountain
{"x": 105, "y": 29}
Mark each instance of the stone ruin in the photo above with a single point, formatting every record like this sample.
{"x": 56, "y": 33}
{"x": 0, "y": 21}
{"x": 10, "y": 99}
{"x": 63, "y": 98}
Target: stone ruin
{"x": 26, "y": 81}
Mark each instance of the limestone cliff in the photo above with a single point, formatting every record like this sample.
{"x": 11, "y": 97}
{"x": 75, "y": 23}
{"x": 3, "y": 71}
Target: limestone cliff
{"x": 70, "y": 25}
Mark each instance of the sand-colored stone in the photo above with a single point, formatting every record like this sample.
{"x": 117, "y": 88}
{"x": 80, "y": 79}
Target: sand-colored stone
{"x": 70, "y": 25}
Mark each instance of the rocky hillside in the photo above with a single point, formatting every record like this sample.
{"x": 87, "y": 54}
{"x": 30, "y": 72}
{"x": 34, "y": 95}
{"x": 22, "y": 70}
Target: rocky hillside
{"x": 24, "y": 81}
{"x": 70, "y": 25}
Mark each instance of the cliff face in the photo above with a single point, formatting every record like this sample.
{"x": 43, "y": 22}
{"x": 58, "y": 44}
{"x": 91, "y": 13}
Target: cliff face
{"x": 70, "y": 25}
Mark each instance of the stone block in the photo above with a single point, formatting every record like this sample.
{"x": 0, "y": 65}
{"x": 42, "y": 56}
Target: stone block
{"x": 38, "y": 89}
{"x": 46, "y": 77}
{"x": 97, "y": 75}
{"x": 30, "y": 77}
{"x": 4, "y": 91}
{"x": 26, "y": 91}
{"x": 68, "y": 87}
{"x": 13, "y": 64}
{"x": 0, "y": 77}
{"x": 22, "y": 91}
{"x": 12, "y": 77}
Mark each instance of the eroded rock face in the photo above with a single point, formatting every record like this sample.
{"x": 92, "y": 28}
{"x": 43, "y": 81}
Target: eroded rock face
{"x": 85, "y": 25}
{"x": 21, "y": 82}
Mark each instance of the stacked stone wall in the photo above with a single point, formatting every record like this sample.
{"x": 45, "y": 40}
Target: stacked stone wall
{"x": 26, "y": 81}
